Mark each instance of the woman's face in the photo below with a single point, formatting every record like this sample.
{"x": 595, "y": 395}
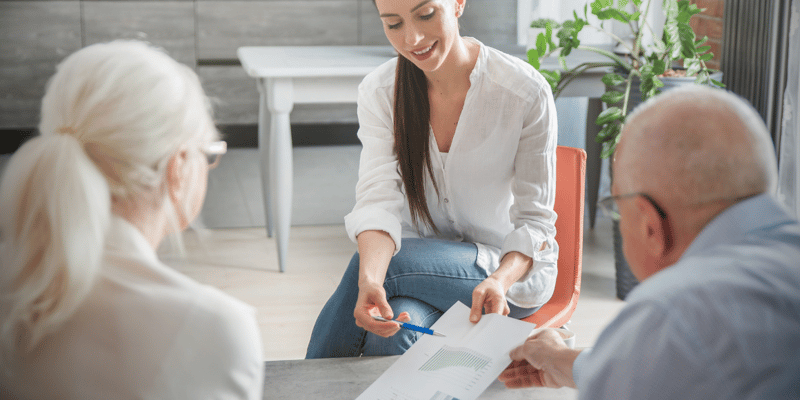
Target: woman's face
{"x": 423, "y": 31}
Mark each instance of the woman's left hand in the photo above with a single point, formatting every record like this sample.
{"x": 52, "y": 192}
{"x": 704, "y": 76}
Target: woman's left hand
{"x": 489, "y": 295}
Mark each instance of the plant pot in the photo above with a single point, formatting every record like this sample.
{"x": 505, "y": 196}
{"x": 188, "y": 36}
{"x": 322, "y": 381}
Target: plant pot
{"x": 670, "y": 82}
{"x": 625, "y": 280}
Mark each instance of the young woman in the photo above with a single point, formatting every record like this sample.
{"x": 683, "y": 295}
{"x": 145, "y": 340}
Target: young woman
{"x": 88, "y": 310}
{"x": 456, "y": 187}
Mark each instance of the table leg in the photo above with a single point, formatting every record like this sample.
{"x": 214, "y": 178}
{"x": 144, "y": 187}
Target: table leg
{"x": 263, "y": 151}
{"x": 281, "y": 101}
{"x": 593, "y": 161}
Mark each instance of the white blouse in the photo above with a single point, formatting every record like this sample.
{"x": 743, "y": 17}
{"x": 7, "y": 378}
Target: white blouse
{"x": 147, "y": 332}
{"x": 497, "y": 183}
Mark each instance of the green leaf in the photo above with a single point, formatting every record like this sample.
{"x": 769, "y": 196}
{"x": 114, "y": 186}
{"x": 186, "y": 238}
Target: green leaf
{"x": 702, "y": 49}
{"x": 693, "y": 68}
{"x": 687, "y": 40}
{"x": 609, "y": 132}
{"x": 612, "y": 97}
{"x": 612, "y": 79}
{"x": 608, "y": 115}
{"x": 700, "y": 41}
{"x": 718, "y": 83}
{"x": 533, "y": 58}
{"x": 541, "y": 45}
{"x": 707, "y": 57}
{"x": 659, "y": 66}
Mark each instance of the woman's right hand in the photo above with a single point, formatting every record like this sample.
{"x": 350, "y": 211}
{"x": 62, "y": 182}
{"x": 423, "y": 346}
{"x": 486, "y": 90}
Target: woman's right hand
{"x": 372, "y": 302}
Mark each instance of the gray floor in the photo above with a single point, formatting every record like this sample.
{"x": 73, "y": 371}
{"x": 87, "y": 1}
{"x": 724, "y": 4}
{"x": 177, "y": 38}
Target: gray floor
{"x": 324, "y": 187}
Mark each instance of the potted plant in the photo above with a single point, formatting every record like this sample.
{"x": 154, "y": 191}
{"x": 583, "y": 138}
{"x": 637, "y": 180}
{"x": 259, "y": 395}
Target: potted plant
{"x": 637, "y": 70}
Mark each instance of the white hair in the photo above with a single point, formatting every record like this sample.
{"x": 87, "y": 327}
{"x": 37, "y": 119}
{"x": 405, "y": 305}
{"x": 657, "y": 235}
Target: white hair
{"x": 695, "y": 145}
{"x": 112, "y": 116}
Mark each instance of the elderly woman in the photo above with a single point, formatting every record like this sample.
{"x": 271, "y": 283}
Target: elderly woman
{"x": 88, "y": 310}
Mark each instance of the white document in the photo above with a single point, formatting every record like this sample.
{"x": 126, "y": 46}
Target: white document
{"x": 459, "y": 366}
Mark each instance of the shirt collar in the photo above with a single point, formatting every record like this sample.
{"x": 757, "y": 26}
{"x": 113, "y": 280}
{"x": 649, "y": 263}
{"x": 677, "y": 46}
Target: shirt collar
{"x": 126, "y": 240}
{"x": 480, "y": 63}
{"x": 753, "y": 214}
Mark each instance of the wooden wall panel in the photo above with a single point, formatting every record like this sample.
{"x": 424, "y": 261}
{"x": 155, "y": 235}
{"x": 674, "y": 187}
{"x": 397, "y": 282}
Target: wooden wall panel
{"x": 493, "y": 22}
{"x": 167, "y": 24}
{"x": 35, "y": 37}
{"x": 224, "y": 26}
{"x": 371, "y": 27}
{"x": 235, "y": 100}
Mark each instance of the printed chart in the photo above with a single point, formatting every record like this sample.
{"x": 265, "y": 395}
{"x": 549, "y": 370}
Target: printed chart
{"x": 457, "y": 366}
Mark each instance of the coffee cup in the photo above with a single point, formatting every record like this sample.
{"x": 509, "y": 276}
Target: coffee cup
{"x": 566, "y": 334}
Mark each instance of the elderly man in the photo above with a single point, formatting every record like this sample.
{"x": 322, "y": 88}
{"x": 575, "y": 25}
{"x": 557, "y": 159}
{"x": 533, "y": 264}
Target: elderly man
{"x": 717, "y": 315}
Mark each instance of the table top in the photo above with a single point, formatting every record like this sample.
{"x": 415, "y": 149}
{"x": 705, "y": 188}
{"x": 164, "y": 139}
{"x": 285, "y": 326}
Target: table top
{"x": 330, "y": 61}
{"x": 347, "y": 378}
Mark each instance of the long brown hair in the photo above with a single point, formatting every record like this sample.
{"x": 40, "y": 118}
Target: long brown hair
{"x": 412, "y": 117}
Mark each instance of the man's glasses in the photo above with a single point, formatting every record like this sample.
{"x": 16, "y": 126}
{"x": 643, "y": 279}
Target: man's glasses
{"x": 214, "y": 151}
{"x": 610, "y": 208}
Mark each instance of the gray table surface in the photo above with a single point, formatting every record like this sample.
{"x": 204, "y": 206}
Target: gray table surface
{"x": 347, "y": 378}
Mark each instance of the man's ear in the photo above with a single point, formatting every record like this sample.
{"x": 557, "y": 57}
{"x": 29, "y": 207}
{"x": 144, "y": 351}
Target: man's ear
{"x": 654, "y": 230}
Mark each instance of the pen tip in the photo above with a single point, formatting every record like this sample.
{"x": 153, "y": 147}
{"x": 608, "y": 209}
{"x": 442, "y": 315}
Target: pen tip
{"x": 438, "y": 334}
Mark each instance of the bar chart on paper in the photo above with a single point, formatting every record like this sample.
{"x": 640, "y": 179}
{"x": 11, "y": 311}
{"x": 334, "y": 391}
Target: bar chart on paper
{"x": 457, "y": 367}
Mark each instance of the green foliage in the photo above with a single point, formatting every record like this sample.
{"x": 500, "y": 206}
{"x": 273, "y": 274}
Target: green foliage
{"x": 677, "y": 42}
{"x": 544, "y": 23}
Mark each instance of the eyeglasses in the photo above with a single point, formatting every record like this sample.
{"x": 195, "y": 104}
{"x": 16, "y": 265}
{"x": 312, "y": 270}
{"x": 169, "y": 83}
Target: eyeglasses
{"x": 609, "y": 204}
{"x": 214, "y": 151}
{"x": 610, "y": 208}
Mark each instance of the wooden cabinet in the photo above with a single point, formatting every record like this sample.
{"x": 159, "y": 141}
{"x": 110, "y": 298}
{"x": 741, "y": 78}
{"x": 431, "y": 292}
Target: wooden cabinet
{"x": 35, "y": 37}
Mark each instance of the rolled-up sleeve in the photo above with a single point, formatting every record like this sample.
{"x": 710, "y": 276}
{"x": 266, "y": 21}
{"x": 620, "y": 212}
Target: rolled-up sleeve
{"x": 379, "y": 198}
{"x": 532, "y": 214}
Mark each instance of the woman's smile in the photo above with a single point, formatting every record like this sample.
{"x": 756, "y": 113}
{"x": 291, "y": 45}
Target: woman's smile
{"x": 424, "y": 53}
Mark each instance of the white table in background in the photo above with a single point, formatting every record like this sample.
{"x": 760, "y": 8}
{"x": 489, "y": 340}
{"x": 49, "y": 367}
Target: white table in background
{"x": 288, "y": 75}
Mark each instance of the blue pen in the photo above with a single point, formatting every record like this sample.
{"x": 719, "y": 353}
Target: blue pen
{"x": 410, "y": 327}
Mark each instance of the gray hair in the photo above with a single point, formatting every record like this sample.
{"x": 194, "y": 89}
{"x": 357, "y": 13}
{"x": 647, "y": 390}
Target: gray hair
{"x": 695, "y": 145}
{"x": 112, "y": 116}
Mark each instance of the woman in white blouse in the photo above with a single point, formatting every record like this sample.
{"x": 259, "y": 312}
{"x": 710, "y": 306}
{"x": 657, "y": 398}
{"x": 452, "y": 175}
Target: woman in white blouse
{"x": 456, "y": 187}
{"x": 88, "y": 310}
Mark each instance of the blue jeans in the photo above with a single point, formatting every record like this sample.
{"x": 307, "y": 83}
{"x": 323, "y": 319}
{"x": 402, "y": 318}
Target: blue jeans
{"x": 425, "y": 278}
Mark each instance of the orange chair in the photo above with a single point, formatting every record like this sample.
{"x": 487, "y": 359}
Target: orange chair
{"x": 570, "y": 180}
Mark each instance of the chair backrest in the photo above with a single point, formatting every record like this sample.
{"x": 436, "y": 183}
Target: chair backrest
{"x": 570, "y": 184}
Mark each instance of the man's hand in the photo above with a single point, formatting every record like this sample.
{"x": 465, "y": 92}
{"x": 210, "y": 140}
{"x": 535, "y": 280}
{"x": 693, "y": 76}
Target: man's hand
{"x": 543, "y": 360}
{"x": 489, "y": 295}
{"x": 372, "y": 301}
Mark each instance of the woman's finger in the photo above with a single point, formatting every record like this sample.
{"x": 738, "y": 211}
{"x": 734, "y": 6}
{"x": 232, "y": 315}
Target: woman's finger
{"x": 477, "y": 304}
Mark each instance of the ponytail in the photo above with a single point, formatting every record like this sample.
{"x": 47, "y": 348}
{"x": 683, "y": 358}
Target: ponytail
{"x": 412, "y": 117}
{"x": 55, "y": 213}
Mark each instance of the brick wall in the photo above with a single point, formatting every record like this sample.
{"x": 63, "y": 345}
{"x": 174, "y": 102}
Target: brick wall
{"x": 709, "y": 23}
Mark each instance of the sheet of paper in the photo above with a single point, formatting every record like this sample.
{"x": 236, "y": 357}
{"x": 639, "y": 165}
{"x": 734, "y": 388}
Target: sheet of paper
{"x": 459, "y": 366}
